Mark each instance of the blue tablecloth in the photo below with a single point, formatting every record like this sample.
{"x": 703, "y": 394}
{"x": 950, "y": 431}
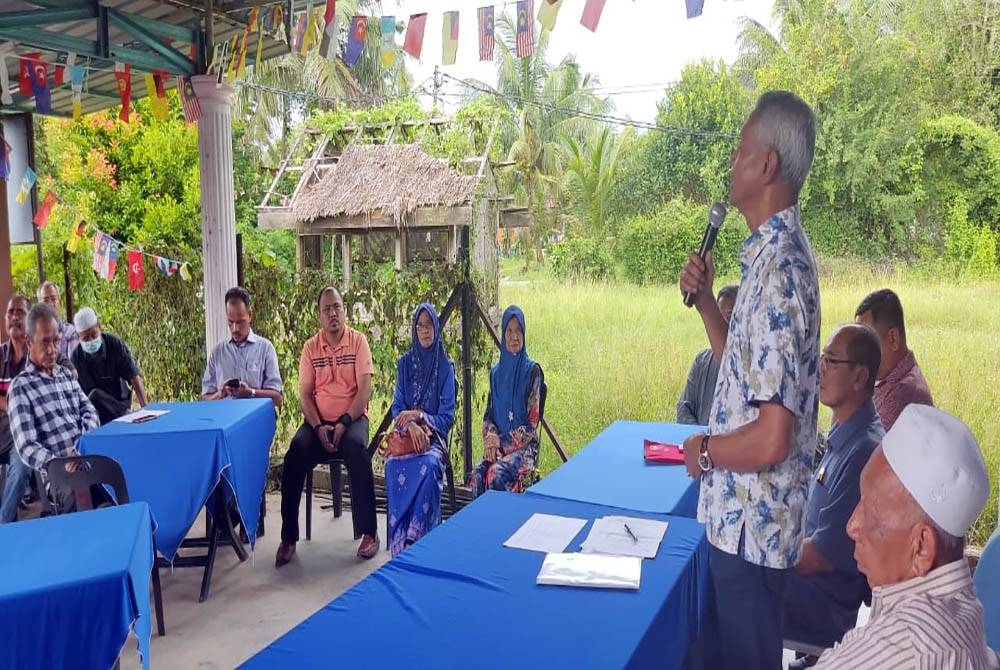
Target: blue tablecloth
{"x": 174, "y": 461}
{"x": 611, "y": 471}
{"x": 72, "y": 586}
{"x": 458, "y": 598}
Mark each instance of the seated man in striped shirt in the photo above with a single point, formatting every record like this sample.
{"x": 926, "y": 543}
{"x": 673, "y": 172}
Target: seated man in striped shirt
{"x": 920, "y": 493}
{"x": 48, "y": 410}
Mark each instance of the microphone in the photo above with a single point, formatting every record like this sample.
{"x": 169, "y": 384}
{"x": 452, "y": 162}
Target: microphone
{"x": 716, "y": 215}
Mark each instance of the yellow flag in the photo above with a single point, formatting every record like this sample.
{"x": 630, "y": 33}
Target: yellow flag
{"x": 77, "y": 109}
{"x": 185, "y": 273}
{"x": 449, "y": 38}
{"x": 158, "y": 104}
{"x": 311, "y": 27}
{"x": 231, "y": 70}
{"x": 75, "y": 235}
{"x": 547, "y": 14}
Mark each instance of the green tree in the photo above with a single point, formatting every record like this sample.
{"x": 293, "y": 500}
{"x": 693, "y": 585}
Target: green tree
{"x": 698, "y": 121}
{"x": 545, "y": 106}
{"x": 591, "y": 171}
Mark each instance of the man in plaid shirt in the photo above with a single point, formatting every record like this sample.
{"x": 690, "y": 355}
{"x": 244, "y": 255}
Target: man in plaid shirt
{"x": 48, "y": 410}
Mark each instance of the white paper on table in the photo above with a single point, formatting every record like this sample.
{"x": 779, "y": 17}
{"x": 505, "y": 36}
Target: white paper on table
{"x": 142, "y": 415}
{"x": 591, "y": 570}
{"x": 609, "y": 536}
{"x": 546, "y": 533}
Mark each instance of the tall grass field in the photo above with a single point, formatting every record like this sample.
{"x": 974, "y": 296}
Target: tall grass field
{"x": 617, "y": 351}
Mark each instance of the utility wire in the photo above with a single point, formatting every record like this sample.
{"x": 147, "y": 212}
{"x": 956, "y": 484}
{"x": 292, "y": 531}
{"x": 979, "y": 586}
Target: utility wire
{"x": 606, "y": 118}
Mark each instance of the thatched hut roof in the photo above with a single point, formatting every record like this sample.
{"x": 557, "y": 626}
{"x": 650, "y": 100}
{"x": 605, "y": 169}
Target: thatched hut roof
{"x": 393, "y": 178}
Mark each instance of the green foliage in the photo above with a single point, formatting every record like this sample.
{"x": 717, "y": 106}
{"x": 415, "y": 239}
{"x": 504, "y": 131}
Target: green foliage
{"x": 654, "y": 248}
{"x": 700, "y": 117}
{"x": 970, "y": 248}
{"x": 582, "y": 258}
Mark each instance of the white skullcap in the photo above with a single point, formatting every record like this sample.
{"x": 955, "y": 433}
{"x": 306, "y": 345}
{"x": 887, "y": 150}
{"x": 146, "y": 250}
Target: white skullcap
{"x": 84, "y": 319}
{"x": 939, "y": 462}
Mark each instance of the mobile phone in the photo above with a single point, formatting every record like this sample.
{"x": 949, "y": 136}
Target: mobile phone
{"x": 233, "y": 383}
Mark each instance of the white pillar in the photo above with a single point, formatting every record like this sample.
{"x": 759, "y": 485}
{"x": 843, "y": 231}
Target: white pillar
{"x": 218, "y": 212}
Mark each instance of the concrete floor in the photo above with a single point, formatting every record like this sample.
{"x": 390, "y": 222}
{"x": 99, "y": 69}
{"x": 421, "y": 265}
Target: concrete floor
{"x": 252, "y": 604}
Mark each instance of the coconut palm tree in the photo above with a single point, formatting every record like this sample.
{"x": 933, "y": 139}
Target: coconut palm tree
{"x": 590, "y": 176}
{"x": 268, "y": 111}
{"x": 548, "y": 105}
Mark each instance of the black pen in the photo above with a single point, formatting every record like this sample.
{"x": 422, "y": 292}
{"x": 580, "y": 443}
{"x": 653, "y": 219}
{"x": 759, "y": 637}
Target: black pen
{"x": 631, "y": 534}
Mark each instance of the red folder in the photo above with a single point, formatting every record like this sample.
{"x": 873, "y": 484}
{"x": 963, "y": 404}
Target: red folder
{"x": 657, "y": 452}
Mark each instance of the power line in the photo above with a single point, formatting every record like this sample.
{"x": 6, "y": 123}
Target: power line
{"x": 606, "y": 118}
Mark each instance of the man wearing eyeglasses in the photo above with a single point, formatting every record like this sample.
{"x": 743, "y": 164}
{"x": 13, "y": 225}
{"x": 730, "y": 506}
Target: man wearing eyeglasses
{"x": 335, "y": 384}
{"x": 825, "y": 589}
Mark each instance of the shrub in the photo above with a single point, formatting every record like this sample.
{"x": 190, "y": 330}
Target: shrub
{"x": 653, "y": 249}
{"x": 582, "y": 258}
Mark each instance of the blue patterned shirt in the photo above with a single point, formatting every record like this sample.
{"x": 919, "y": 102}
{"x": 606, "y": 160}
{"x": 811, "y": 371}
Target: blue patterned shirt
{"x": 771, "y": 355}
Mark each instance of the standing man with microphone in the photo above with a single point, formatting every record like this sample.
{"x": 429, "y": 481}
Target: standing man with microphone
{"x": 754, "y": 464}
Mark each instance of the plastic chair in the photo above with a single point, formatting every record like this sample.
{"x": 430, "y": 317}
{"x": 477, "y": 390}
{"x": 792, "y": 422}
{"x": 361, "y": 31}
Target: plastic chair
{"x": 987, "y": 582}
{"x": 101, "y": 471}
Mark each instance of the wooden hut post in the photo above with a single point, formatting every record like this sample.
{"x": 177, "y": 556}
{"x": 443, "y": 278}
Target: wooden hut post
{"x": 345, "y": 258}
{"x": 400, "y": 238}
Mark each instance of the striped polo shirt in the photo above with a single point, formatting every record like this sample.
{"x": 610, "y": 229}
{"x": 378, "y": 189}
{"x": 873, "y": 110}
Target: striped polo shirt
{"x": 334, "y": 371}
{"x": 934, "y": 622}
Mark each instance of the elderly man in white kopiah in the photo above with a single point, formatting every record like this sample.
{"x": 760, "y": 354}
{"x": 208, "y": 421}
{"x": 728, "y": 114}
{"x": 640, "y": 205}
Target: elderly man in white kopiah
{"x": 920, "y": 493}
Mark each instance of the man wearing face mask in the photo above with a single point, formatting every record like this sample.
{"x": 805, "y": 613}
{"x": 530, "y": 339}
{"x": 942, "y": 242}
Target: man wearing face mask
{"x": 107, "y": 371}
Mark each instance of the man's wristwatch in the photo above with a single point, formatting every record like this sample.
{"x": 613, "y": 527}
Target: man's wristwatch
{"x": 345, "y": 420}
{"x": 704, "y": 460}
{"x": 253, "y": 393}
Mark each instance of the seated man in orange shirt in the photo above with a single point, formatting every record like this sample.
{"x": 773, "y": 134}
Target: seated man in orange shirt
{"x": 335, "y": 383}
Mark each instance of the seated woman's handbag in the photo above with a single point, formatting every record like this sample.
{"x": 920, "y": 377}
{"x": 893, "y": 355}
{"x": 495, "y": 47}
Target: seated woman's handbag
{"x": 399, "y": 441}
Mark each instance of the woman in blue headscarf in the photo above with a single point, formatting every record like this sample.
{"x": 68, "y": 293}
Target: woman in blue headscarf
{"x": 510, "y": 426}
{"x": 423, "y": 407}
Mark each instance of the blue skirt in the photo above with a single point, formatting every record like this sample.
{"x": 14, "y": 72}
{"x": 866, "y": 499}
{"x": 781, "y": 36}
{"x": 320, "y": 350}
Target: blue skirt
{"x": 413, "y": 486}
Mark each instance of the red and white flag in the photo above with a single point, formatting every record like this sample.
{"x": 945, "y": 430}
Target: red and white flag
{"x": 486, "y": 33}
{"x": 105, "y": 256}
{"x": 328, "y": 45}
{"x": 189, "y": 101}
{"x": 135, "y": 275}
{"x": 525, "y": 29}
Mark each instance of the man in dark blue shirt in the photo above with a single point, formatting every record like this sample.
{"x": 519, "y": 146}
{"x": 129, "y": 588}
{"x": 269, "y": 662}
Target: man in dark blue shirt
{"x": 825, "y": 590}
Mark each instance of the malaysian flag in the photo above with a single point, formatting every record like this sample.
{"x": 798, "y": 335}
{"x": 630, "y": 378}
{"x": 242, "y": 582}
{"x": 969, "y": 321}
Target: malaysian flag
{"x": 525, "y": 29}
{"x": 486, "y": 39}
{"x": 189, "y": 101}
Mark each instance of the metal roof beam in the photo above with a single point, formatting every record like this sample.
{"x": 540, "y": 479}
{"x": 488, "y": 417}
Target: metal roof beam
{"x": 41, "y": 17}
{"x": 179, "y": 62}
{"x": 141, "y": 60}
{"x": 156, "y": 27}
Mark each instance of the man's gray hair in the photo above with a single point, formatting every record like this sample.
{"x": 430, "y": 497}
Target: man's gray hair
{"x": 784, "y": 122}
{"x": 44, "y": 285}
{"x": 39, "y": 312}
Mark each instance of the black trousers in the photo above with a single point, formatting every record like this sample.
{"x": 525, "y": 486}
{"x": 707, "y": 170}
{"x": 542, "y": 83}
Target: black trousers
{"x": 108, "y": 407}
{"x": 305, "y": 452}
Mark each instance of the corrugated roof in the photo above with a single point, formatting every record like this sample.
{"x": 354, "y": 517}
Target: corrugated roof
{"x": 101, "y": 89}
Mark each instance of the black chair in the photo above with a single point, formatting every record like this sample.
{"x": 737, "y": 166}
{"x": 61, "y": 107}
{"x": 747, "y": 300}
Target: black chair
{"x": 532, "y": 478}
{"x": 97, "y": 471}
{"x": 337, "y": 483}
